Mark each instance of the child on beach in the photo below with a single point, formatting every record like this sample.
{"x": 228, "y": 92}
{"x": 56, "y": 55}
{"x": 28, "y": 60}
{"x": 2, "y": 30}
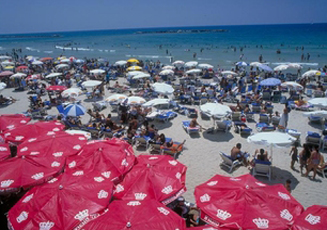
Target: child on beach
{"x": 294, "y": 153}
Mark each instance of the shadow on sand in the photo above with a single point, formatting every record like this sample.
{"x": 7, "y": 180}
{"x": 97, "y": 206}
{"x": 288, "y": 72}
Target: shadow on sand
{"x": 218, "y": 136}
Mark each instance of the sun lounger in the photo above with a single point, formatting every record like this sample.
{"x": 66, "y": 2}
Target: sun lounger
{"x": 256, "y": 108}
{"x": 174, "y": 150}
{"x": 275, "y": 121}
{"x": 190, "y": 130}
{"x": 228, "y": 162}
{"x": 236, "y": 116}
{"x": 264, "y": 118}
{"x": 315, "y": 119}
{"x": 242, "y": 128}
{"x": 142, "y": 141}
{"x": 249, "y": 116}
{"x": 263, "y": 127}
{"x": 165, "y": 116}
{"x": 262, "y": 168}
{"x": 313, "y": 138}
{"x": 223, "y": 125}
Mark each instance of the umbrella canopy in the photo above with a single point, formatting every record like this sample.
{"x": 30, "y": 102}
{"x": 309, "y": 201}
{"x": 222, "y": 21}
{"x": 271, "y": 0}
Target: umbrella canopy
{"x": 37, "y": 63}
{"x": 276, "y": 139}
{"x": 311, "y": 73}
{"x": 27, "y": 171}
{"x": 281, "y": 67}
{"x": 320, "y": 102}
{"x": 163, "y": 88}
{"x": 11, "y": 121}
{"x": 56, "y": 88}
{"x": 22, "y": 133}
{"x": 18, "y": 75}
{"x": 265, "y": 68}
{"x": 74, "y": 110}
{"x": 141, "y": 75}
{"x": 133, "y": 60}
{"x": 111, "y": 158}
{"x": 292, "y": 85}
{"x": 71, "y": 92}
{"x": 312, "y": 218}
{"x": 62, "y": 66}
{"x": 79, "y": 61}
{"x": 6, "y": 63}
{"x": 51, "y": 75}
{"x": 9, "y": 67}
{"x": 116, "y": 97}
{"x": 87, "y": 135}
{"x": 131, "y": 215}
{"x": 205, "y": 66}
{"x": 246, "y": 203}
{"x": 193, "y": 71}
{"x": 134, "y": 68}
{"x": 135, "y": 100}
{"x": 21, "y": 67}
{"x": 6, "y": 73}
{"x": 270, "y": 82}
{"x": 153, "y": 177}
{"x": 58, "y": 145}
{"x": 191, "y": 64}
{"x": 215, "y": 109}
{"x": 91, "y": 83}
{"x": 241, "y": 63}
{"x": 34, "y": 76}
{"x": 133, "y": 73}
{"x": 62, "y": 203}
{"x": 167, "y": 72}
{"x": 178, "y": 63}
{"x": 4, "y": 151}
{"x": 168, "y": 67}
{"x": 97, "y": 71}
{"x": 317, "y": 113}
{"x": 229, "y": 73}
{"x": 294, "y": 66}
{"x": 66, "y": 60}
{"x": 2, "y": 86}
{"x": 44, "y": 59}
{"x": 156, "y": 101}
{"x": 120, "y": 63}
{"x": 5, "y": 57}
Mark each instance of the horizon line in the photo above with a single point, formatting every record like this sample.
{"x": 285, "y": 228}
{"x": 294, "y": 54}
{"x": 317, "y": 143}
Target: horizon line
{"x": 135, "y": 28}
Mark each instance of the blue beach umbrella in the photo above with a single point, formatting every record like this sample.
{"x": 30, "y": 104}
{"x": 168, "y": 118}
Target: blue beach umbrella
{"x": 74, "y": 110}
{"x": 241, "y": 63}
{"x": 270, "y": 82}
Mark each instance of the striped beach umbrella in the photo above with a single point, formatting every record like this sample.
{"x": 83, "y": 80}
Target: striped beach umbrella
{"x": 74, "y": 110}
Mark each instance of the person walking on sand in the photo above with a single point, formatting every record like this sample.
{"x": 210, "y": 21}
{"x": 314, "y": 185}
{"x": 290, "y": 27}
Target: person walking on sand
{"x": 314, "y": 162}
{"x": 294, "y": 153}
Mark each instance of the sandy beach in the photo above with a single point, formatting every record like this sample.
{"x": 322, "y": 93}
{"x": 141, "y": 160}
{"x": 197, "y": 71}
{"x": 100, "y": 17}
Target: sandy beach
{"x": 201, "y": 153}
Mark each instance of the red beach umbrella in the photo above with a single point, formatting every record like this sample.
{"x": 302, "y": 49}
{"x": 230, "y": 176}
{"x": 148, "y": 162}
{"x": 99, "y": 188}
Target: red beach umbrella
{"x": 246, "y": 203}
{"x": 110, "y": 158}
{"x": 46, "y": 59}
{"x": 61, "y": 144}
{"x": 18, "y": 68}
{"x": 136, "y": 215}
{"x": 61, "y": 203}
{"x": 312, "y": 218}
{"x": 11, "y": 121}
{"x": 6, "y": 73}
{"x": 56, "y": 88}
{"x": 20, "y": 134}
{"x": 154, "y": 177}
{"x": 4, "y": 151}
{"x": 27, "y": 171}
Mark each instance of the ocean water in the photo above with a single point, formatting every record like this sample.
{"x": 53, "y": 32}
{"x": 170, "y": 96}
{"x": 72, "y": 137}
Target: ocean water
{"x": 216, "y": 48}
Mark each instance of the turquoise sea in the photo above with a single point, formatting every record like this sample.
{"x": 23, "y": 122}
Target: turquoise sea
{"x": 216, "y": 48}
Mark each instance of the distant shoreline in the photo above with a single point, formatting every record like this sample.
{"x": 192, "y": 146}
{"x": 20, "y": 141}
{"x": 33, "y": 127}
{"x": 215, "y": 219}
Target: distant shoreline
{"x": 182, "y": 31}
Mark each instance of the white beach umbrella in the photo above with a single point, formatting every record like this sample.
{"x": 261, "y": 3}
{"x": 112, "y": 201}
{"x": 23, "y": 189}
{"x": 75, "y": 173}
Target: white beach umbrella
{"x": 255, "y": 64}
{"x": 193, "y": 71}
{"x": 66, "y": 60}
{"x": 205, "y": 66}
{"x": 166, "y": 72}
{"x": 18, "y": 75}
{"x": 281, "y": 68}
{"x": 178, "y": 63}
{"x": 311, "y": 73}
{"x": 141, "y": 75}
{"x": 74, "y": 110}
{"x": 162, "y": 88}
{"x": 227, "y": 72}
{"x": 156, "y": 101}
{"x": 51, "y": 75}
{"x": 2, "y": 86}
{"x": 191, "y": 64}
{"x": 91, "y": 83}
{"x": 97, "y": 71}
{"x": 37, "y": 63}
{"x": 241, "y": 63}
{"x": 135, "y": 100}
{"x": 133, "y": 73}
{"x": 4, "y": 57}
{"x": 292, "y": 85}
{"x": 317, "y": 113}
{"x": 265, "y": 68}
{"x": 272, "y": 139}
{"x": 79, "y": 132}
{"x": 116, "y": 98}
{"x": 6, "y": 63}
{"x": 168, "y": 67}
{"x": 215, "y": 109}
{"x": 294, "y": 66}
{"x": 320, "y": 102}
{"x": 62, "y": 66}
{"x": 120, "y": 63}
{"x": 71, "y": 92}
{"x": 79, "y": 61}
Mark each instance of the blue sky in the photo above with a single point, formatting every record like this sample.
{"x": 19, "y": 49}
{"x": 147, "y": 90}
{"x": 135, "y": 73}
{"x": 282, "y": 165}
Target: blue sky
{"x": 21, "y": 16}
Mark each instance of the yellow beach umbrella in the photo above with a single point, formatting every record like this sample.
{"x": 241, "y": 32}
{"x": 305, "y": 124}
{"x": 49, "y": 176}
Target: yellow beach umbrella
{"x": 134, "y": 68}
{"x": 133, "y": 60}
{"x": 9, "y": 67}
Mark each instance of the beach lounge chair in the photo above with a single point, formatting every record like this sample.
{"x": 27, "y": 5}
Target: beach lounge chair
{"x": 262, "y": 168}
{"x": 155, "y": 148}
{"x": 142, "y": 141}
{"x": 315, "y": 119}
{"x": 264, "y": 127}
{"x": 318, "y": 93}
{"x": 188, "y": 129}
{"x": 249, "y": 116}
{"x": 223, "y": 125}
{"x": 256, "y": 108}
{"x": 228, "y": 162}
{"x": 270, "y": 109}
{"x": 266, "y": 95}
{"x": 242, "y": 128}
{"x": 264, "y": 118}
{"x": 313, "y": 138}
{"x": 165, "y": 116}
{"x": 276, "y": 96}
{"x": 174, "y": 150}
{"x": 236, "y": 116}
